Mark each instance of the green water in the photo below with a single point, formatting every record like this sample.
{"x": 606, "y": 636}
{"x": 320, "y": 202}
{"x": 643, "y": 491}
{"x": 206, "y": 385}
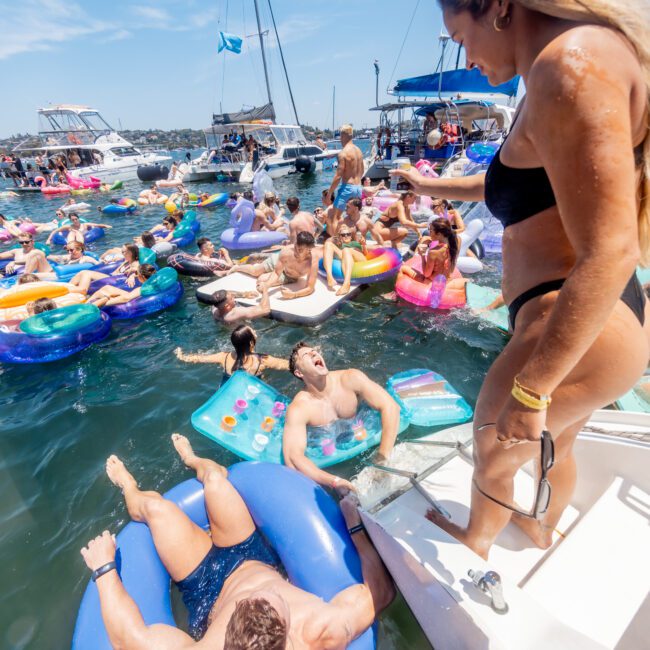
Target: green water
{"x": 127, "y": 394}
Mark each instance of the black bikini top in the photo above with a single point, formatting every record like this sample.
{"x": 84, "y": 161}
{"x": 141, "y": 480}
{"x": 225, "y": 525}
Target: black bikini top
{"x": 515, "y": 194}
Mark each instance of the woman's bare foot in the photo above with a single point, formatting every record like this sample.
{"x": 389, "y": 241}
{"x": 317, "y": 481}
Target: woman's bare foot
{"x": 540, "y": 534}
{"x": 191, "y": 460}
{"x": 456, "y": 531}
{"x": 331, "y": 284}
{"x": 345, "y": 288}
{"x": 118, "y": 474}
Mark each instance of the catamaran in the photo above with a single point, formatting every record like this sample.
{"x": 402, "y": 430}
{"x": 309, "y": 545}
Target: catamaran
{"x": 65, "y": 129}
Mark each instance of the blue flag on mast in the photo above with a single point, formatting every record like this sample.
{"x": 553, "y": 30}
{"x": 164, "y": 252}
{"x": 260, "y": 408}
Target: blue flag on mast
{"x": 229, "y": 42}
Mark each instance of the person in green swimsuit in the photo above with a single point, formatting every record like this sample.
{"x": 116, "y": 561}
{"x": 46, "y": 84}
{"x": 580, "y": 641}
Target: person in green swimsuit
{"x": 349, "y": 246}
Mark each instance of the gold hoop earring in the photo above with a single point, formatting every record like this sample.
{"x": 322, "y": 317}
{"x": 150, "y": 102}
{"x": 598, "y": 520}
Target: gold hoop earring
{"x": 501, "y": 22}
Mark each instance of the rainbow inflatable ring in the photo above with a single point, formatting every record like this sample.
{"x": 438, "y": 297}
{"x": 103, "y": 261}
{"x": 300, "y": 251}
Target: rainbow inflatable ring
{"x": 380, "y": 264}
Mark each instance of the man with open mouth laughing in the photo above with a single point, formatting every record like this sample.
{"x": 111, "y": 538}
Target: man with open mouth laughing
{"x": 328, "y": 409}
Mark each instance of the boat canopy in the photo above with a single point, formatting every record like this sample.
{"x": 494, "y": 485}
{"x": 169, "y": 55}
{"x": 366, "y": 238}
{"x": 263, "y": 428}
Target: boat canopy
{"x": 266, "y": 112}
{"x": 452, "y": 82}
{"x": 468, "y": 111}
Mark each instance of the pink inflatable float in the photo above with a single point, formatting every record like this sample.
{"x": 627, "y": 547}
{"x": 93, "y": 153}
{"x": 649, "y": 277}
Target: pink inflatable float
{"x": 425, "y": 168}
{"x": 383, "y": 200}
{"x": 5, "y": 235}
{"x": 427, "y": 293}
{"x": 91, "y": 183}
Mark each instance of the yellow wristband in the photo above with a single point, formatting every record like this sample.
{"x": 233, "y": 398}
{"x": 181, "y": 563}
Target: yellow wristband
{"x": 530, "y": 401}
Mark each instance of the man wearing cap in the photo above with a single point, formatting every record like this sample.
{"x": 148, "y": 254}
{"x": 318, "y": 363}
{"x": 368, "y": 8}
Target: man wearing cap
{"x": 348, "y": 173}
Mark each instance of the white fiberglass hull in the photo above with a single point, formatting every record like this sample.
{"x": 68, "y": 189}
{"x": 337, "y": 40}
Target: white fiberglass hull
{"x": 125, "y": 169}
{"x": 588, "y": 591}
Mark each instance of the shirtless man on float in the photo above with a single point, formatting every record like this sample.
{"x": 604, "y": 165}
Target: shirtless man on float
{"x": 348, "y": 173}
{"x": 301, "y": 220}
{"x": 247, "y": 597}
{"x": 27, "y": 255}
{"x": 329, "y": 396}
{"x": 297, "y": 263}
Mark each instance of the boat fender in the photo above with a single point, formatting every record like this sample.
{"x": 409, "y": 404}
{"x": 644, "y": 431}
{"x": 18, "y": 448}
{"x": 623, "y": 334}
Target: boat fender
{"x": 305, "y": 165}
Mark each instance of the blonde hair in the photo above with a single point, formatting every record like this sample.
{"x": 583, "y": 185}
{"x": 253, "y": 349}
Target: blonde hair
{"x": 347, "y": 129}
{"x": 630, "y": 17}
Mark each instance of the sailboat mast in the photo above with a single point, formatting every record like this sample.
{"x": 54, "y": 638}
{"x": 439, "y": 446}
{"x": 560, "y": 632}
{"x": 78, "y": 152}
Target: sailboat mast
{"x": 259, "y": 33}
{"x": 333, "y": 108}
{"x": 284, "y": 65}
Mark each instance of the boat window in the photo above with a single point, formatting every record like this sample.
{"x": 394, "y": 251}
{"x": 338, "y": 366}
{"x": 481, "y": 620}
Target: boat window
{"x": 95, "y": 121}
{"x": 57, "y": 121}
{"x": 124, "y": 151}
{"x": 280, "y": 135}
{"x": 312, "y": 151}
{"x": 290, "y": 152}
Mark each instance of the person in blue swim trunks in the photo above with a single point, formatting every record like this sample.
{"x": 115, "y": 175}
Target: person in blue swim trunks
{"x": 348, "y": 174}
{"x": 230, "y": 578}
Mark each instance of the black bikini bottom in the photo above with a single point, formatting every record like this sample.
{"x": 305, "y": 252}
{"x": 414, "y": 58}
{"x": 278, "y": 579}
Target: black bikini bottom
{"x": 632, "y": 296}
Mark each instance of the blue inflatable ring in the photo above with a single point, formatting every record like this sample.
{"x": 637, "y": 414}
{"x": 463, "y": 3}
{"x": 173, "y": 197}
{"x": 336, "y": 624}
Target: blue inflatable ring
{"x": 92, "y": 235}
{"x": 310, "y": 537}
{"x": 145, "y": 305}
{"x": 18, "y": 347}
{"x": 482, "y": 152}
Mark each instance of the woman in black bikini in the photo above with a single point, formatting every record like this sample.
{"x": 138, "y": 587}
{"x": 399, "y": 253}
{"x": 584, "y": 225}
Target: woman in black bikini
{"x": 243, "y": 339}
{"x": 578, "y": 314}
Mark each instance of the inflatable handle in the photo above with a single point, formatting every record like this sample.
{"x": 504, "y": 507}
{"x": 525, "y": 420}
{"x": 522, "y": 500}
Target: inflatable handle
{"x": 437, "y": 289}
{"x": 242, "y": 217}
{"x": 146, "y": 255}
{"x": 159, "y": 282}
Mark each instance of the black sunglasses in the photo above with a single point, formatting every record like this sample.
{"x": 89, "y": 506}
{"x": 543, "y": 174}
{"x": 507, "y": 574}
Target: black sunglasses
{"x": 24, "y": 243}
{"x": 345, "y": 234}
{"x": 543, "y": 496}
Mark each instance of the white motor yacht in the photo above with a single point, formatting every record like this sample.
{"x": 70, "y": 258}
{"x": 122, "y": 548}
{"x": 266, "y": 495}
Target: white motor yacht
{"x": 281, "y": 149}
{"x": 588, "y": 591}
{"x": 67, "y": 128}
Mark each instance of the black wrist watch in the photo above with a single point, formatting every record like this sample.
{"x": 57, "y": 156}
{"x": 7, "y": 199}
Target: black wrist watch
{"x": 98, "y": 573}
{"x": 356, "y": 529}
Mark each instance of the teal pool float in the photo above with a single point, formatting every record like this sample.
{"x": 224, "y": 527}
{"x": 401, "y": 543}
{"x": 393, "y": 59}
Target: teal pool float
{"x": 479, "y": 297}
{"x": 246, "y": 416}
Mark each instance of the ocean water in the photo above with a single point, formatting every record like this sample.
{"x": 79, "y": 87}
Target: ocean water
{"x": 129, "y": 393}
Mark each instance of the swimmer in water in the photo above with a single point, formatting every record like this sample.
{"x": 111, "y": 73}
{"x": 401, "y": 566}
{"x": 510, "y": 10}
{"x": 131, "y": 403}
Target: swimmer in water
{"x": 244, "y": 357}
{"x": 329, "y": 396}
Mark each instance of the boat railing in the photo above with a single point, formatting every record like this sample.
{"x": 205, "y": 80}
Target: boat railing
{"x": 457, "y": 447}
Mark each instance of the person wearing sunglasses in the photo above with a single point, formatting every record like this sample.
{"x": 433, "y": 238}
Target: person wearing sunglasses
{"x": 32, "y": 259}
{"x": 349, "y": 246}
{"x": 75, "y": 254}
{"x": 129, "y": 268}
{"x": 75, "y": 230}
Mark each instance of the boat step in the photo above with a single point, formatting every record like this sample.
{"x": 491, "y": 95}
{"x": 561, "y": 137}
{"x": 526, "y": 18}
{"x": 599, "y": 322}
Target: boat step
{"x": 597, "y": 579}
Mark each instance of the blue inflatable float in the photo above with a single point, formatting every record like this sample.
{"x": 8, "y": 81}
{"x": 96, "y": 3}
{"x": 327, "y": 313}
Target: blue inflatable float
{"x": 89, "y": 237}
{"x": 310, "y": 537}
{"x": 160, "y": 291}
{"x": 54, "y": 334}
{"x": 240, "y": 237}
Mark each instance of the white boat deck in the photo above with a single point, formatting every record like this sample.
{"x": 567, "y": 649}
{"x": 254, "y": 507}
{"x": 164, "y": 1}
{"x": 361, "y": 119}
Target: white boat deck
{"x": 589, "y": 590}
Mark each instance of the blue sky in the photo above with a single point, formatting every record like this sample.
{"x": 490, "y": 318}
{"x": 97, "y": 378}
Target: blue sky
{"x": 155, "y": 65}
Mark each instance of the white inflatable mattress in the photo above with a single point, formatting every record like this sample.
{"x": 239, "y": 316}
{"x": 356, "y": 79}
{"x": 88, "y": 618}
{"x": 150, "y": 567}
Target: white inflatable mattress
{"x": 310, "y": 310}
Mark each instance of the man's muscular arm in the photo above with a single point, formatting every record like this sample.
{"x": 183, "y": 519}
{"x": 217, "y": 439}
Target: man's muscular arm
{"x": 123, "y": 621}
